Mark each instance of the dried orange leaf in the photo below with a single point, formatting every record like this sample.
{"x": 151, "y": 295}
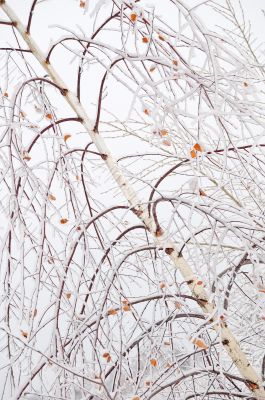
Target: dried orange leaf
{"x": 199, "y": 283}
{"x": 26, "y": 156}
{"x": 106, "y": 354}
{"x": 163, "y": 132}
{"x": 153, "y": 362}
{"x": 262, "y": 290}
{"x": 82, "y": 4}
{"x": 146, "y": 111}
{"x": 175, "y": 62}
{"x": 197, "y": 147}
{"x": 136, "y": 398}
{"x": 166, "y": 142}
{"x": 252, "y": 385}
{"x": 199, "y": 343}
{"x": 162, "y": 285}
{"x": 126, "y": 307}
{"x": 159, "y": 231}
{"x": 193, "y": 154}
{"x": 133, "y": 17}
{"x": 145, "y": 39}
{"x": 161, "y": 37}
{"x": 202, "y": 193}
{"x": 178, "y": 305}
{"x": 68, "y": 295}
{"x": 66, "y": 137}
{"x": 63, "y": 221}
{"x": 5, "y": 94}
{"x": 51, "y": 197}
{"x": 49, "y": 116}
{"x": 24, "y": 334}
{"x": 112, "y": 311}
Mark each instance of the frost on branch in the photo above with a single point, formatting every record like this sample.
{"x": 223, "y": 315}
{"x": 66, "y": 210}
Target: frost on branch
{"x": 132, "y": 201}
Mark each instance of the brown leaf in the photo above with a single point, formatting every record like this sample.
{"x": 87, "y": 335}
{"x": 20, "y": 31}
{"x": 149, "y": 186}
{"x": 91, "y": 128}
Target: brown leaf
{"x": 153, "y": 362}
{"x": 146, "y": 111}
{"x": 49, "y": 116}
{"x": 66, "y": 137}
{"x": 178, "y": 305}
{"x": 145, "y": 39}
{"x": 68, "y": 295}
{"x": 5, "y": 94}
{"x": 166, "y": 142}
{"x": 133, "y": 17}
{"x": 106, "y": 354}
{"x": 148, "y": 383}
{"x": 199, "y": 343}
{"x": 163, "y": 132}
{"x": 202, "y": 193}
{"x": 63, "y": 221}
{"x": 252, "y": 385}
{"x": 126, "y": 307}
{"x": 161, "y": 37}
{"x": 159, "y": 231}
{"x": 82, "y": 4}
{"x": 51, "y": 197}
{"x": 193, "y": 154}
{"x": 24, "y": 334}
{"x": 197, "y": 147}
{"x": 162, "y": 285}
{"x": 26, "y": 156}
{"x": 112, "y": 311}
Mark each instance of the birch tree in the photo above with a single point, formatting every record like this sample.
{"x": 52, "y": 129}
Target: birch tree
{"x": 132, "y": 201}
